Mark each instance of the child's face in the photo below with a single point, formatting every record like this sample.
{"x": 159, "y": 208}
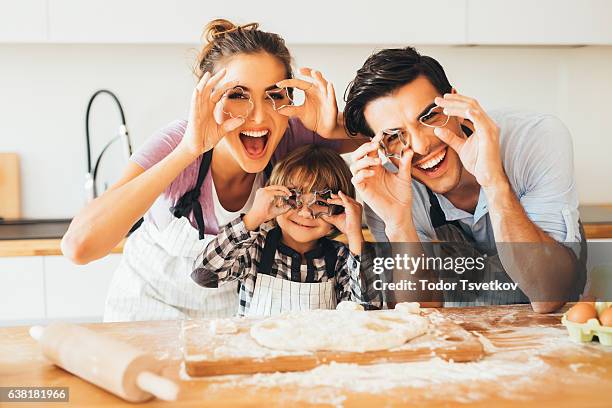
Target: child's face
{"x": 300, "y": 225}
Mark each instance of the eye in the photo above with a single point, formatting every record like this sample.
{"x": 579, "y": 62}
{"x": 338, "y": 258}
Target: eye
{"x": 277, "y": 96}
{"x": 429, "y": 116}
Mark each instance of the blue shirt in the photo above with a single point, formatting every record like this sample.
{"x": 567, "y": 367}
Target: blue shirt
{"x": 537, "y": 155}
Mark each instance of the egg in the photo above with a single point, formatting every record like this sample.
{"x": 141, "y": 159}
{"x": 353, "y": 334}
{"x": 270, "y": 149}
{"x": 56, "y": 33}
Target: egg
{"x": 606, "y": 317}
{"x": 581, "y": 313}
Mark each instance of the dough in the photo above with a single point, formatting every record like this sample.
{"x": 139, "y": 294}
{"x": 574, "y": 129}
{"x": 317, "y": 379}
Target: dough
{"x": 223, "y": 326}
{"x": 408, "y": 307}
{"x": 337, "y": 330}
{"x": 348, "y": 305}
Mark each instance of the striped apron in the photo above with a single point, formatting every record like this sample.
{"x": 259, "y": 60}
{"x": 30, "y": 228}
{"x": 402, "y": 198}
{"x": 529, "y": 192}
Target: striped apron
{"x": 273, "y": 296}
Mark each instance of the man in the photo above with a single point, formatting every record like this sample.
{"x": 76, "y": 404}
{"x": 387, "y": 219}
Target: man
{"x": 501, "y": 182}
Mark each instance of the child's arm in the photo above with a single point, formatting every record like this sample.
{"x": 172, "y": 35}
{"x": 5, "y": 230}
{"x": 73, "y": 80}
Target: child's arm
{"x": 231, "y": 254}
{"x": 355, "y": 281}
{"x": 227, "y": 257}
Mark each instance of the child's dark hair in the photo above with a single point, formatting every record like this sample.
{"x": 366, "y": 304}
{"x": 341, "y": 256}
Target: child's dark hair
{"x": 382, "y": 74}
{"x": 224, "y": 39}
{"x": 313, "y": 167}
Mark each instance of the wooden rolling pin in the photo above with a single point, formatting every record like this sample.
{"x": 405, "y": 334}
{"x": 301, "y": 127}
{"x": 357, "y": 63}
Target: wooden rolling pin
{"x": 117, "y": 367}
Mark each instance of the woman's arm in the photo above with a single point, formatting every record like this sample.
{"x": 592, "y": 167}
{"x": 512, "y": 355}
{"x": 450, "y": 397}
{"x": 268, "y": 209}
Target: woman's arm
{"x": 99, "y": 227}
{"x": 102, "y": 224}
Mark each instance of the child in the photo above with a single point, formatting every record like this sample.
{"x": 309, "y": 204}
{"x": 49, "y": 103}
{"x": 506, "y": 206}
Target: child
{"x": 290, "y": 263}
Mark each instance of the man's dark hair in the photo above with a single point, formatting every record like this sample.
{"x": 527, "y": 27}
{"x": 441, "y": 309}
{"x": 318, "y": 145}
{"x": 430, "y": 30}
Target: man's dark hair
{"x": 383, "y": 73}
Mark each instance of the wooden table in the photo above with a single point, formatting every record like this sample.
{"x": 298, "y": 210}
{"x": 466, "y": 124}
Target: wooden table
{"x": 570, "y": 375}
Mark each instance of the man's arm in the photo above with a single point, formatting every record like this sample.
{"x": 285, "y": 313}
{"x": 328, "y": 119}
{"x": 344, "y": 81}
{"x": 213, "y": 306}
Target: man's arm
{"x": 544, "y": 269}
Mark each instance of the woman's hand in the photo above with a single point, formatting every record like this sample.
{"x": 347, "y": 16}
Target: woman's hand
{"x": 349, "y": 222}
{"x": 266, "y": 206}
{"x": 203, "y": 132}
{"x": 319, "y": 112}
{"x": 388, "y": 194}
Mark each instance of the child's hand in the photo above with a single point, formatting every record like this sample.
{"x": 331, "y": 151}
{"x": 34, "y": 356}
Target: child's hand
{"x": 349, "y": 222}
{"x": 266, "y": 206}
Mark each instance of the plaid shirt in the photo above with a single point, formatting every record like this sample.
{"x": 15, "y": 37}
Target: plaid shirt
{"x": 235, "y": 253}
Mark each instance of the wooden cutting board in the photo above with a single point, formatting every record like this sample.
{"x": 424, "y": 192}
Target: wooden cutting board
{"x": 10, "y": 191}
{"x": 206, "y": 354}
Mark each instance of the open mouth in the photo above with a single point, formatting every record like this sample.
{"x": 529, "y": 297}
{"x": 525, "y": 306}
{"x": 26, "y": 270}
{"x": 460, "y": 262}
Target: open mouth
{"x": 254, "y": 142}
{"x": 434, "y": 163}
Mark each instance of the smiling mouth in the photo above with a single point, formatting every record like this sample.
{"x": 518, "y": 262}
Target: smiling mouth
{"x": 254, "y": 142}
{"x": 302, "y": 225}
{"x": 433, "y": 163}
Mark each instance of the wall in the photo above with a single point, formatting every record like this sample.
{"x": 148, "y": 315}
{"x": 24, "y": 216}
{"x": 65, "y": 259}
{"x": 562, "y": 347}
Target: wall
{"x": 44, "y": 91}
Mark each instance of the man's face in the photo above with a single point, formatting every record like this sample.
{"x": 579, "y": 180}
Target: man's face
{"x": 434, "y": 163}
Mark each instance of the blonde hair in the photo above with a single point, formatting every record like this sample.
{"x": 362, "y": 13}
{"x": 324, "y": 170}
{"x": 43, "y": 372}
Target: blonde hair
{"x": 313, "y": 167}
{"x": 223, "y": 39}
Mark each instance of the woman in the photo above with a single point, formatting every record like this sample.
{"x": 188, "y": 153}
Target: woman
{"x": 185, "y": 192}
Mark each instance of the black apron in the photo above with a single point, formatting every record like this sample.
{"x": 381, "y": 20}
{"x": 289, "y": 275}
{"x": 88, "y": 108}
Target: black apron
{"x": 190, "y": 201}
{"x": 271, "y": 245}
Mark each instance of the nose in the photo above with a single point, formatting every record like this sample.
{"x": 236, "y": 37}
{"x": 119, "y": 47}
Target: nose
{"x": 258, "y": 113}
{"x": 304, "y": 211}
{"x": 421, "y": 143}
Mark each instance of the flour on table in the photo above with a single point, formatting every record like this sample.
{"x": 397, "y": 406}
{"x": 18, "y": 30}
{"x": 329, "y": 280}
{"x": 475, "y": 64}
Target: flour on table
{"x": 337, "y": 330}
{"x": 349, "y": 305}
{"x": 223, "y": 326}
{"x": 408, "y": 307}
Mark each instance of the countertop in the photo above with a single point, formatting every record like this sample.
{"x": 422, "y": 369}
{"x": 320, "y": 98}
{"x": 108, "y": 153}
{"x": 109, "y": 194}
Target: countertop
{"x": 38, "y": 247}
{"x": 596, "y": 219}
{"x": 530, "y": 362}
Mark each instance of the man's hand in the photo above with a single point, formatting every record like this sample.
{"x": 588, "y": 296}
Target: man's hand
{"x": 479, "y": 153}
{"x": 389, "y": 195}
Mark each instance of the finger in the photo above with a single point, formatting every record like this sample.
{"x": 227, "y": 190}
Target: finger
{"x": 364, "y": 163}
{"x": 364, "y": 150}
{"x": 306, "y": 71}
{"x": 217, "y": 94}
{"x": 214, "y": 80}
{"x": 331, "y": 92}
{"x": 459, "y": 97}
{"x": 295, "y": 83}
{"x": 319, "y": 80}
{"x": 362, "y": 176}
{"x": 336, "y": 201}
{"x": 202, "y": 81}
{"x": 279, "y": 189}
{"x": 450, "y": 138}
{"x": 232, "y": 124}
{"x": 405, "y": 165}
{"x": 291, "y": 110}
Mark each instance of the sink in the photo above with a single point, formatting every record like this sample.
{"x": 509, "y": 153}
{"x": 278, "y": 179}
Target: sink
{"x": 11, "y": 229}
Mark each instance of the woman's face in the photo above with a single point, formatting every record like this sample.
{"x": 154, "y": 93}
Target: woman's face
{"x": 253, "y": 143}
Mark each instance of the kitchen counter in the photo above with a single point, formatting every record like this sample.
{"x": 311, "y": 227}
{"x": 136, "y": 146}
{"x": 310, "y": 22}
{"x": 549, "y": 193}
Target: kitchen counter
{"x": 38, "y": 247}
{"x": 541, "y": 367}
{"x": 597, "y": 221}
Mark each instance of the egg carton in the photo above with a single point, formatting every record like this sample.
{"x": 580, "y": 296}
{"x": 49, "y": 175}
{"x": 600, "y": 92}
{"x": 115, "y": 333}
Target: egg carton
{"x": 584, "y": 332}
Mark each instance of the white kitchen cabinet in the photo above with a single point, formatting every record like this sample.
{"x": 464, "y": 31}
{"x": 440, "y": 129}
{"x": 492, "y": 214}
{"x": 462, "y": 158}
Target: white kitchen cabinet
{"x": 532, "y": 22}
{"x": 22, "y": 291}
{"x": 314, "y": 22}
{"x": 78, "y": 291}
{"x": 23, "y": 21}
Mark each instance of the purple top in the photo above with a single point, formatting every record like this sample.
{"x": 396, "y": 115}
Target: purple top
{"x": 167, "y": 139}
